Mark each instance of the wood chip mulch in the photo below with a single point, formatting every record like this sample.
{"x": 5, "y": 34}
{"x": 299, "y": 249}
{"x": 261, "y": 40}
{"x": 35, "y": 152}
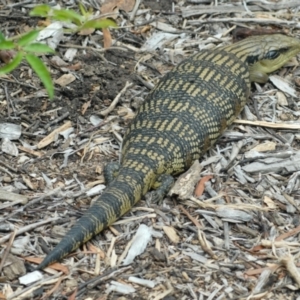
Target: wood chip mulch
{"x": 229, "y": 228}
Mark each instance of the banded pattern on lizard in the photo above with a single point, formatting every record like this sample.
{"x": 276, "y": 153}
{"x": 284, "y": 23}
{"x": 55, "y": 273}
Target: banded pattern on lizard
{"x": 181, "y": 118}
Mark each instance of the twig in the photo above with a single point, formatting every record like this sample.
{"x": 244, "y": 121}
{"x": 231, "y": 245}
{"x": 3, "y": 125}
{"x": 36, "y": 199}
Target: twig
{"x": 195, "y": 221}
{"x": 116, "y": 100}
{"x": 18, "y": 82}
{"x": 9, "y": 196}
{"x": 288, "y": 262}
{"x": 21, "y": 3}
{"x": 102, "y": 278}
{"x": 205, "y": 245}
{"x": 27, "y": 292}
{"x": 52, "y": 192}
{"x": 122, "y": 256}
{"x": 245, "y": 206}
{"x": 9, "y": 101}
{"x": 293, "y": 24}
{"x": 268, "y": 124}
{"x": 55, "y": 288}
{"x": 134, "y": 219}
{"x": 288, "y": 234}
{"x": 93, "y": 48}
{"x": 11, "y": 199}
{"x": 5, "y": 171}
{"x": 57, "y": 120}
{"x": 136, "y": 6}
{"x": 9, "y": 167}
{"x": 6, "y": 252}
{"x": 27, "y": 228}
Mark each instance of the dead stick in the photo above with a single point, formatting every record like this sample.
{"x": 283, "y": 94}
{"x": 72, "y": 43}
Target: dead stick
{"x": 115, "y": 101}
{"x": 268, "y": 124}
{"x": 6, "y": 252}
{"x": 26, "y": 228}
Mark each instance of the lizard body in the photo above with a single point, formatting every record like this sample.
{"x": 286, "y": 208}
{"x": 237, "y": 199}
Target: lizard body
{"x": 180, "y": 119}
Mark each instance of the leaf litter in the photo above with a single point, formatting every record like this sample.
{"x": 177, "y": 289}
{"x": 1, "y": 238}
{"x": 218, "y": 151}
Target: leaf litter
{"x": 235, "y": 237}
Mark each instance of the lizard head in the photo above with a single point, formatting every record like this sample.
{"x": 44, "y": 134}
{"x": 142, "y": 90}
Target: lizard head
{"x": 272, "y": 53}
{"x": 276, "y": 50}
{"x": 265, "y": 53}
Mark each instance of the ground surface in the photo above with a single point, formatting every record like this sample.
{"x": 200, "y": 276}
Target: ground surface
{"x": 238, "y": 240}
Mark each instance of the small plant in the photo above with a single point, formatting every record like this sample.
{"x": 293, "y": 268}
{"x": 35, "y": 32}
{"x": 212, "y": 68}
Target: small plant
{"x": 26, "y": 48}
{"x": 83, "y": 21}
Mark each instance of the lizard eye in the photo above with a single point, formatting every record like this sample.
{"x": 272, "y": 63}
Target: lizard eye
{"x": 272, "y": 54}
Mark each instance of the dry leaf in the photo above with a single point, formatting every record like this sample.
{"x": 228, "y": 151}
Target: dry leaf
{"x": 28, "y": 182}
{"x": 258, "y": 271}
{"x": 268, "y": 146}
{"x": 55, "y": 266}
{"x": 6, "y": 290}
{"x": 85, "y": 106}
{"x": 283, "y": 85}
{"x": 269, "y": 202}
{"x": 288, "y": 234}
{"x": 201, "y": 185}
{"x": 58, "y": 61}
{"x": 30, "y": 151}
{"x": 65, "y": 79}
{"x": 97, "y": 250}
{"x": 44, "y": 106}
{"x": 44, "y": 23}
{"x": 107, "y": 40}
{"x": 86, "y": 31}
{"x": 7, "y": 55}
{"x": 75, "y": 67}
{"x": 185, "y": 184}
{"x": 51, "y": 137}
{"x": 281, "y": 99}
{"x": 171, "y": 233}
{"x": 110, "y": 6}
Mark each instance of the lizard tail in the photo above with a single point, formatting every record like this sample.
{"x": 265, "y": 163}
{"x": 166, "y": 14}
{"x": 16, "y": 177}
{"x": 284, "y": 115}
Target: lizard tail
{"x": 116, "y": 200}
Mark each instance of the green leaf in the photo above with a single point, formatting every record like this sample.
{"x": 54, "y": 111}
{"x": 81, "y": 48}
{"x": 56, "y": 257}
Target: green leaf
{"x": 99, "y": 24}
{"x": 41, "y": 70}
{"x": 2, "y": 37}
{"x": 40, "y": 10}
{"x": 38, "y": 48}
{"x": 12, "y": 65}
{"x": 28, "y": 38}
{"x": 82, "y": 9}
{"x": 6, "y": 45}
{"x": 67, "y": 15}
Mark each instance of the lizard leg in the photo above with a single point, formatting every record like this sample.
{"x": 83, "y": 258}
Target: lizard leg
{"x": 111, "y": 171}
{"x": 161, "y": 187}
